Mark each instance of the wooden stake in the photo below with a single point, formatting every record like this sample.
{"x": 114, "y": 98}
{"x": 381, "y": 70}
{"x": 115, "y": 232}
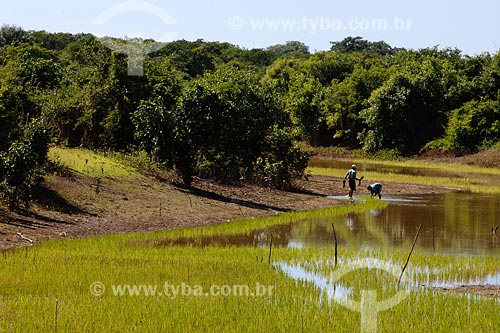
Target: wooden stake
{"x": 433, "y": 234}
{"x": 190, "y": 202}
{"x": 57, "y": 303}
{"x": 335, "y": 239}
{"x": 494, "y": 230}
{"x": 411, "y": 251}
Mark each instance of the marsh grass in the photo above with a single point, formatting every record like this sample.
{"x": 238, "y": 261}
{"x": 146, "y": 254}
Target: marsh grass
{"x": 34, "y": 278}
{"x": 454, "y": 167}
{"x": 464, "y": 184}
{"x": 58, "y": 274}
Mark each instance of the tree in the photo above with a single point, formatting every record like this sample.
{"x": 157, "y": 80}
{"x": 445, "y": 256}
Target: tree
{"x": 29, "y": 74}
{"x": 342, "y": 102}
{"x": 222, "y": 120}
{"x": 281, "y": 160}
{"x": 328, "y": 66}
{"x": 358, "y": 44}
{"x": 194, "y": 58}
{"x": 126, "y": 92}
{"x": 290, "y": 47}
{"x": 410, "y": 108}
{"x": 490, "y": 80}
{"x": 474, "y": 126}
{"x": 302, "y": 105}
{"x": 154, "y": 130}
{"x": 14, "y": 35}
{"x": 22, "y": 165}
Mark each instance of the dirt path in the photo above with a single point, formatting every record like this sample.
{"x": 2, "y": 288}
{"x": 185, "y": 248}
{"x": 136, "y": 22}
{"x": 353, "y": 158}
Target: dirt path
{"x": 78, "y": 207}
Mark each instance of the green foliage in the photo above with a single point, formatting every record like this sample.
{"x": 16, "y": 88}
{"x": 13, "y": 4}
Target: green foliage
{"x": 208, "y": 108}
{"x": 154, "y": 130}
{"x": 222, "y": 121}
{"x": 329, "y": 66}
{"x": 32, "y": 67}
{"x": 12, "y": 35}
{"x": 22, "y": 165}
{"x": 194, "y": 58}
{"x": 8, "y": 124}
{"x": 302, "y": 104}
{"x": 358, "y": 44}
{"x": 342, "y": 102}
{"x": 290, "y": 47}
{"x": 282, "y": 161}
{"x": 490, "y": 79}
{"x": 408, "y": 110}
{"x": 474, "y": 126}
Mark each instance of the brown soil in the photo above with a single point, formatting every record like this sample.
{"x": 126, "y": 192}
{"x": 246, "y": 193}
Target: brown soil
{"x": 483, "y": 290}
{"x": 79, "y": 207}
{"x": 489, "y": 158}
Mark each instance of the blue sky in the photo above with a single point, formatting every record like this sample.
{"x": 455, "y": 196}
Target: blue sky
{"x": 471, "y": 26}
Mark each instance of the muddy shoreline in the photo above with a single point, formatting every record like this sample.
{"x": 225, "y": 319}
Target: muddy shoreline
{"x": 77, "y": 207}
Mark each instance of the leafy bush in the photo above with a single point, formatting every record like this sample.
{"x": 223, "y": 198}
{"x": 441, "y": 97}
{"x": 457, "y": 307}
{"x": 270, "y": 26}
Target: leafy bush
{"x": 221, "y": 121}
{"x": 22, "y": 165}
{"x": 281, "y": 161}
{"x": 474, "y": 126}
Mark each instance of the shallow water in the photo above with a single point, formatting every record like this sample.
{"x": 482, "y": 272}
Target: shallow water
{"x": 455, "y": 223}
{"x": 338, "y": 291}
{"x": 451, "y": 223}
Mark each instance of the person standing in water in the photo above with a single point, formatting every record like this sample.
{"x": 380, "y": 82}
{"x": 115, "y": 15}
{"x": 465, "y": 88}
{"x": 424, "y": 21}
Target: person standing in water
{"x": 351, "y": 177}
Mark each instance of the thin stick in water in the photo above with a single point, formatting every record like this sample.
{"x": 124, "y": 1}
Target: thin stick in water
{"x": 494, "y": 230}
{"x": 411, "y": 251}
{"x": 335, "y": 239}
{"x": 57, "y": 303}
{"x": 433, "y": 233}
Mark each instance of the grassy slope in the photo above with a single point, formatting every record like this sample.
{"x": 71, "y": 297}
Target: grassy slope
{"x": 88, "y": 163}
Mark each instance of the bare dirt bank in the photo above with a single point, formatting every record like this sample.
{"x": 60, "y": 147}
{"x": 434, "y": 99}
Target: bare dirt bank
{"x": 79, "y": 207}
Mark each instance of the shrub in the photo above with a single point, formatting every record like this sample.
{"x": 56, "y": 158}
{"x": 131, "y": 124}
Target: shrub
{"x": 474, "y": 126}
{"x": 22, "y": 164}
{"x": 281, "y": 162}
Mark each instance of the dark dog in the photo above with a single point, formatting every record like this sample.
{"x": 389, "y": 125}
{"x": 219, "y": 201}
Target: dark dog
{"x": 375, "y": 189}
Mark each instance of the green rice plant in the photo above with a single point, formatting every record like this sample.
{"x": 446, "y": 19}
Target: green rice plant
{"x": 47, "y": 288}
{"x": 124, "y": 283}
{"x": 463, "y": 184}
{"x": 422, "y": 164}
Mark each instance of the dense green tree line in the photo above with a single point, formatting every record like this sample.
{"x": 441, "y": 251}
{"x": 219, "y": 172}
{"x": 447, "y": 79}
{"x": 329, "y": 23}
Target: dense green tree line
{"x": 216, "y": 110}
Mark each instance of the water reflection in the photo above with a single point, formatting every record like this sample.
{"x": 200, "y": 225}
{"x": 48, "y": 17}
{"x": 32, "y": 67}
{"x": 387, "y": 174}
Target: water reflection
{"x": 451, "y": 223}
{"x": 333, "y": 290}
{"x": 337, "y": 291}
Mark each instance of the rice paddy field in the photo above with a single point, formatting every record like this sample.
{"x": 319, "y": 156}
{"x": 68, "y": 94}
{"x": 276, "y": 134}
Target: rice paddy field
{"x": 128, "y": 283}
{"x": 169, "y": 281}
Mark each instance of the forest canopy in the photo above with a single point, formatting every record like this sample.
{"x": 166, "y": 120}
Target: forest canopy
{"x": 217, "y": 110}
